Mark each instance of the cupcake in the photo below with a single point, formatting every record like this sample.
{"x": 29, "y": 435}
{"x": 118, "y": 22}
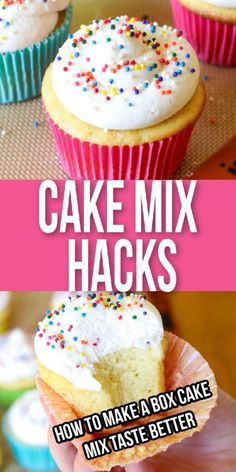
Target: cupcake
{"x": 103, "y": 350}
{"x": 17, "y": 366}
{"x": 5, "y": 310}
{"x": 25, "y": 427}
{"x": 210, "y": 25}
{"x": 31, "y": 31}
{"x": 122, "y": 98}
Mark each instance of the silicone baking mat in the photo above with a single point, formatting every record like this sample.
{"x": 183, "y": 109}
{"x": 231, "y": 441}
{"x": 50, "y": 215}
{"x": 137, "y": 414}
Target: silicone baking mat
{"x": 27, "y": 150}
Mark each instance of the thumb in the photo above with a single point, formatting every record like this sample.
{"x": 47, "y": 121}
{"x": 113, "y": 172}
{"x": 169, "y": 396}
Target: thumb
{"x": 63, "y": 454}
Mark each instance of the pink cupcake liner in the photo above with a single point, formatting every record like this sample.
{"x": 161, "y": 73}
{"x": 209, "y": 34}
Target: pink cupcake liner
{"x": 214, "y": 41}
{"x": 87, "y": 161}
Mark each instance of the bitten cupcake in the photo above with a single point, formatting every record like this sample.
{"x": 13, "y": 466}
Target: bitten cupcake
{"x": 5, "y": 310}
{"x": 103, "y": 350}
{"x": 122, "y": 98}
{"x": 31, "y": 31}
{"x": 25, "y": 427}
{"x": 17, "y": 366}
{"x": 210, "y": 25}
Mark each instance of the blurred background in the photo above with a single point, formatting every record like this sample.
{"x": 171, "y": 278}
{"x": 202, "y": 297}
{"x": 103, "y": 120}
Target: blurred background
{"x": 206, "y": 320}
{"x": 87, "y": 10}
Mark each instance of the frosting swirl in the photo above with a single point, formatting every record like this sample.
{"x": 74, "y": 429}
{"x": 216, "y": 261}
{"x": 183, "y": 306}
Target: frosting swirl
{"x": 125, "y": 74}
{"x": 17, "y": 359}
{"x": 78, "y": 333}
{"x": 26, "y": 22}
{"x": 27, "y": 420}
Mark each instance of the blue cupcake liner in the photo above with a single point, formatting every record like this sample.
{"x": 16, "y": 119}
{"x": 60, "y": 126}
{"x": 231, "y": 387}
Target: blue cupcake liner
{"x": 31, "y": 458}
{"x": 22, "y": 71}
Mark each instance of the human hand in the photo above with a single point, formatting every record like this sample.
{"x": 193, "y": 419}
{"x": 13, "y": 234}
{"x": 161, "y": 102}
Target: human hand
{"x": 66, "y": 455}
{"x": 211, "y": 450}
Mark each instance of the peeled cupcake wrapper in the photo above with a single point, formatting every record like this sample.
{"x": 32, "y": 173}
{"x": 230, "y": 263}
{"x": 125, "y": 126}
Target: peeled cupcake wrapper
{"x": 28, "y": 456}
{"x": 22, "y": 71}
{"x": 84, "y": 160}
{"x": 183, "y": 366}
{"x": 214, "y": 41}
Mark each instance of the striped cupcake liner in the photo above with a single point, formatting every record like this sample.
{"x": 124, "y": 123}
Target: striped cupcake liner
{"x": 22, "y": 71}
{"x": 83, "y": 160}
{"x": 214, "y": 41}
{"x": 29, "y": 457}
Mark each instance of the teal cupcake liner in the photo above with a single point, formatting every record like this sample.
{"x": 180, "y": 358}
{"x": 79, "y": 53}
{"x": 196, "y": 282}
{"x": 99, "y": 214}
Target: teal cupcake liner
{"x": 31, "y": 458}
{"x": 22, "y": 71}
{"x": 8, "y": 396}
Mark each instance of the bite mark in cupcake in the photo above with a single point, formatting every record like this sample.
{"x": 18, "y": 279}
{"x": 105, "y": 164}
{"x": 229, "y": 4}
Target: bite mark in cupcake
{"x": 79, "y": 333}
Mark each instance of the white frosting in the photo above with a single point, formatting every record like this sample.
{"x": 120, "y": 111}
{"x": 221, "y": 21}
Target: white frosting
{"x": 139, "y": 94}
{"x": 27, "y": 420}
{"x": 74, "y": 337}
{"x": 17, "y": 359}
{"x": 222, "y": 3}
{"x": 59, "y": 297}
{"x": 5, "y": 298}
{"x": 27, "y": 22}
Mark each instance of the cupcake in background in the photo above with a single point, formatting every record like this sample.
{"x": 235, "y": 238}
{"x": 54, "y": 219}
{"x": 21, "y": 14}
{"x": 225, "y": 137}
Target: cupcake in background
{"x": 5, "y": 310}
{"x": 210, "y": 25}
{"x": 58, "y": 298}
{"x": 25, "y": 427}
{"x": 122, "y": 98}
{"x": 17, "y": 366}
{"x": 30, "y": 34}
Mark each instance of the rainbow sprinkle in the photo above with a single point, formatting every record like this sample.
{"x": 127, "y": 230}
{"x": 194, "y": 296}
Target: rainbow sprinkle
{"x": 83, "y": 305}
{"x": 166, "y": 53}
